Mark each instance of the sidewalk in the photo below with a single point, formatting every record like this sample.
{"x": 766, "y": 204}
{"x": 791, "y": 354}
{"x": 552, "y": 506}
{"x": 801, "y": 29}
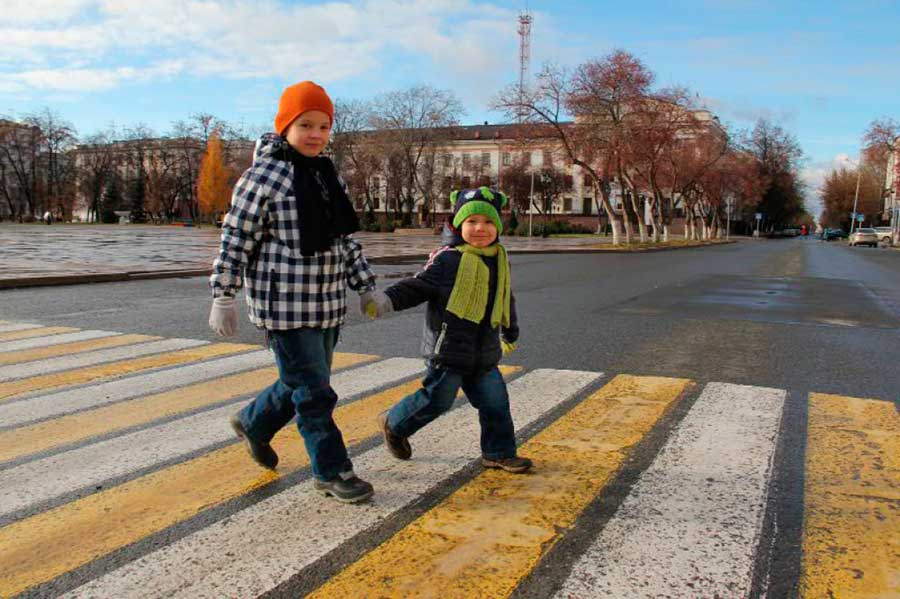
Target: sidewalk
{"x": 38, "y": 255}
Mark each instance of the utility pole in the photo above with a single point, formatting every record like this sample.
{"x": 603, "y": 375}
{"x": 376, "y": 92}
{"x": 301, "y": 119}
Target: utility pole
{"x": 855, "y": 196}
{"x": 531, "y": 203}
{"x": 728, "y": 204}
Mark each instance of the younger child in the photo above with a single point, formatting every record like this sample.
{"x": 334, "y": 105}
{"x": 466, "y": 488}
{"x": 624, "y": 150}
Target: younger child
{"x": 287, "y": 236}
{"x": 471, "y": 319}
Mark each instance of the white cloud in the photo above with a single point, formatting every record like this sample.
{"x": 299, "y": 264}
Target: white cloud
{"x": 41, "y": 11}
{"x": 84, "y": 79}
{"x": 112, "y": 41}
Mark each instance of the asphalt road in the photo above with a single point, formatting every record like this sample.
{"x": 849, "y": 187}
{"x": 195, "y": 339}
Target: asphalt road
{"x": 792, "y": 313}
{"x": 791, "y": 318}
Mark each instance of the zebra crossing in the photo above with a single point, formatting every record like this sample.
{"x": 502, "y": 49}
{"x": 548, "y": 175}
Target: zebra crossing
{"x": 119, "y": 477}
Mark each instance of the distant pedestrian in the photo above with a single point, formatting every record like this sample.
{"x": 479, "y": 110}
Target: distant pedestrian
{"x": 470, "y": 322}
{"x": 48, "y": 218}
{"x": 287, "y": 241}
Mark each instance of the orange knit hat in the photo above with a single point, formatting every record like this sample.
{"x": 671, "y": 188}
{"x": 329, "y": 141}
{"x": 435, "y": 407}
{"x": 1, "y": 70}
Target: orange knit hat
{"x": 299, "y": 98}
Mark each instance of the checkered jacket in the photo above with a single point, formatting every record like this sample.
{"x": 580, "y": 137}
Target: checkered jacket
{"x": 260, "y": 251}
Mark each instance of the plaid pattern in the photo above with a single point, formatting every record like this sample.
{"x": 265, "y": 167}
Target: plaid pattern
{"x": 260, "y": 250}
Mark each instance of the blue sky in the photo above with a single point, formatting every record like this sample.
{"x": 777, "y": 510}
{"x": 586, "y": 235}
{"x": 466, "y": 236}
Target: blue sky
{"x": 822, "y": 70}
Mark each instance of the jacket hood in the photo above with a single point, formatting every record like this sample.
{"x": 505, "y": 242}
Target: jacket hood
{"x": 450, "y": 236}
{"x": 268, "y": 146}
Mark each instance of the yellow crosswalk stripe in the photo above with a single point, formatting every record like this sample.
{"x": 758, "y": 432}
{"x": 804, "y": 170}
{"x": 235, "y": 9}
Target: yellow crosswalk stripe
{"x": 44, "y": 546}
{"x": 39, "y": 332}
{"x": 31, "y": 439}
{"x": 66, "y": 349}
{"x": 483, "y": 539}
{"x": 83, "y": 375}
{"x": 851, "y": 537}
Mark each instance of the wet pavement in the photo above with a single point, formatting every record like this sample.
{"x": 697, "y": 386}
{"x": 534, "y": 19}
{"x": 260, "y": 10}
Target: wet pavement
{"x": 104, "y": 252}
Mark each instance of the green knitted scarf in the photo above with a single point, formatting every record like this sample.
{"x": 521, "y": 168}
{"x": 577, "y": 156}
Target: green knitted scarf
{"x": 469, "y": 297}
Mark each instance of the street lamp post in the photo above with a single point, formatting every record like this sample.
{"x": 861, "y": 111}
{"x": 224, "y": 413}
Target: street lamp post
{"x": 855, "y": 197}
{"x": 728, "y": 204}
{"x": 531, "y": 203}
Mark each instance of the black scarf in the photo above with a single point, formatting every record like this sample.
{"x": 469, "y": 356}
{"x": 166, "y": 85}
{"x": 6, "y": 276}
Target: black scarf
{"x": 324, "y": 210}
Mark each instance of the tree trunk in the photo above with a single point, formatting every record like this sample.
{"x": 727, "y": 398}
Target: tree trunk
{"x": 642, "y": 228}
{"x": 610, "y": 214}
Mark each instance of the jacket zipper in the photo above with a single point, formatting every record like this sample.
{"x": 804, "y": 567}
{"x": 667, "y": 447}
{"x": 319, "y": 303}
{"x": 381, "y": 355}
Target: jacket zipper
{"x": 440, "y": 339}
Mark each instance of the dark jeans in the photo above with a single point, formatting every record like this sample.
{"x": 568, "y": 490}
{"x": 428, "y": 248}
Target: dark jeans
{"x": 486, "y": 392}
{"x": 303, "y": 389}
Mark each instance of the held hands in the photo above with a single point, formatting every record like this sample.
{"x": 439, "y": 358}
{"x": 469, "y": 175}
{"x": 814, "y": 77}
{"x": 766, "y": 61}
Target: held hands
{"x": 223, "y": 318}
{"x": 375, "y": 304}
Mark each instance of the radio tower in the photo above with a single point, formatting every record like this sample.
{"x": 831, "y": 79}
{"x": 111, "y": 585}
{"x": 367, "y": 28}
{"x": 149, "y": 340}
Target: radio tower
{"x": 524, "y": 52}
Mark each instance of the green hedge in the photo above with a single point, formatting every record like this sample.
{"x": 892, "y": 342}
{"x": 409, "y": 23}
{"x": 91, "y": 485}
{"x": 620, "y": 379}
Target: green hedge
{"x": 545, "y": 229}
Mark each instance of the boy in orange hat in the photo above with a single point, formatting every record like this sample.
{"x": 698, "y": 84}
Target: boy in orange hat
{"x": 287, "y": 241}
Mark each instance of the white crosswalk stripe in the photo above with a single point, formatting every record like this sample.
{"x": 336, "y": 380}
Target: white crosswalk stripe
{"x": 48, "y": 340}
{"x": 693, "y": 519}
{"x": 58, "y": 403}
{"x": 41, "y": 480}
{"x": 18, "y": 326}
{"x": 441, "y": 450}
{"x": 91, "y": 358}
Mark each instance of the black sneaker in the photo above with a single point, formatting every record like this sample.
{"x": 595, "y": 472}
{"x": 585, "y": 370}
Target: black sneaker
{"x": 262, "y": 453}
{"x": 397, "y": 445}
{"x": 516, "y": 465}
{"x": 346, "y": 488}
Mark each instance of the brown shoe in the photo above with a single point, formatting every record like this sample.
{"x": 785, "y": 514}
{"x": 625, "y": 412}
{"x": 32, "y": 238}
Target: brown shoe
{"x": 262, "y": 453}
{"x": 516, "y": 465}
{"x": 398, "y": 446}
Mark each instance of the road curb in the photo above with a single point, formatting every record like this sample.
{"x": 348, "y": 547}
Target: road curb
{"x": 115, "y": 277}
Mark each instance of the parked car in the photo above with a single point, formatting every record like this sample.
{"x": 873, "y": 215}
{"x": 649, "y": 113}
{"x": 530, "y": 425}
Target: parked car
{"x": 884, "y": 234}
{"x": 864, "y": 236}
{"x": 829, "y": 234}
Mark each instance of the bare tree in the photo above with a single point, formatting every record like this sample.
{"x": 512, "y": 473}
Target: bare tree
{"x": 56, "y": 169}
{"x": 355, "y": 148}
{"x": 418, "y": 121}
{"x": 587, "y": 142}
{"x": 19, "y": 148}
{"x": 94, "y": 164}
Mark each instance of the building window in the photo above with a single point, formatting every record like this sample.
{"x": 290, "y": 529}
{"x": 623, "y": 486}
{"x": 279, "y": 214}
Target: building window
{"x": 486, "y": 159}
{"x": 466, "y": 160}
{"x": 448, "y": 160}
{"x": 506, "y": 159}
{"x": 375, "y": 203}
{"x": 586, "y": 182}
{"x": 547, "y": 157}
{"x": 567, "y": 204}
{"x": 376, "y": 183}
{"x": 586, "y": 206}
{"x": 568, "y": 182}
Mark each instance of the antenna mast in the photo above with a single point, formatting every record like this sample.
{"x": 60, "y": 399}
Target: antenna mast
{"x": 525, "y": 20}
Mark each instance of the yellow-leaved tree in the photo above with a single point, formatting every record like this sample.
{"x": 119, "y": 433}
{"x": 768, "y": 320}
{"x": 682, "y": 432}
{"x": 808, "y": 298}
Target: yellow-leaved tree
{"x": 214, "y": 180}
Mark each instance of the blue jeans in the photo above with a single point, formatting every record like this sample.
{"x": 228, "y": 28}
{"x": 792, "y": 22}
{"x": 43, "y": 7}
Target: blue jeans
{"x": 303, "y": 389}
{"x": 487, "y": 394}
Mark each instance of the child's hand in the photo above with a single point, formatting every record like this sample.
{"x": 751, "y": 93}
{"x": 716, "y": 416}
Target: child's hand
{"x": 375, "y": 304}
{"x": 507, "y": 347}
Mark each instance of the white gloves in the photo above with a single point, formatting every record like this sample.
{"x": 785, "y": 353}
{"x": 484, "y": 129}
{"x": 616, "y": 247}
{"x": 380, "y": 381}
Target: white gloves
{"x": 223, "y": 318}
{"x": 375, "y": 304}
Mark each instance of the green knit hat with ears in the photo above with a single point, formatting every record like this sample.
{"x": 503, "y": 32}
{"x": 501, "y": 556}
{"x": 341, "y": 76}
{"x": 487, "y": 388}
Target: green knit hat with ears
{"x": 482, "y": 200}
